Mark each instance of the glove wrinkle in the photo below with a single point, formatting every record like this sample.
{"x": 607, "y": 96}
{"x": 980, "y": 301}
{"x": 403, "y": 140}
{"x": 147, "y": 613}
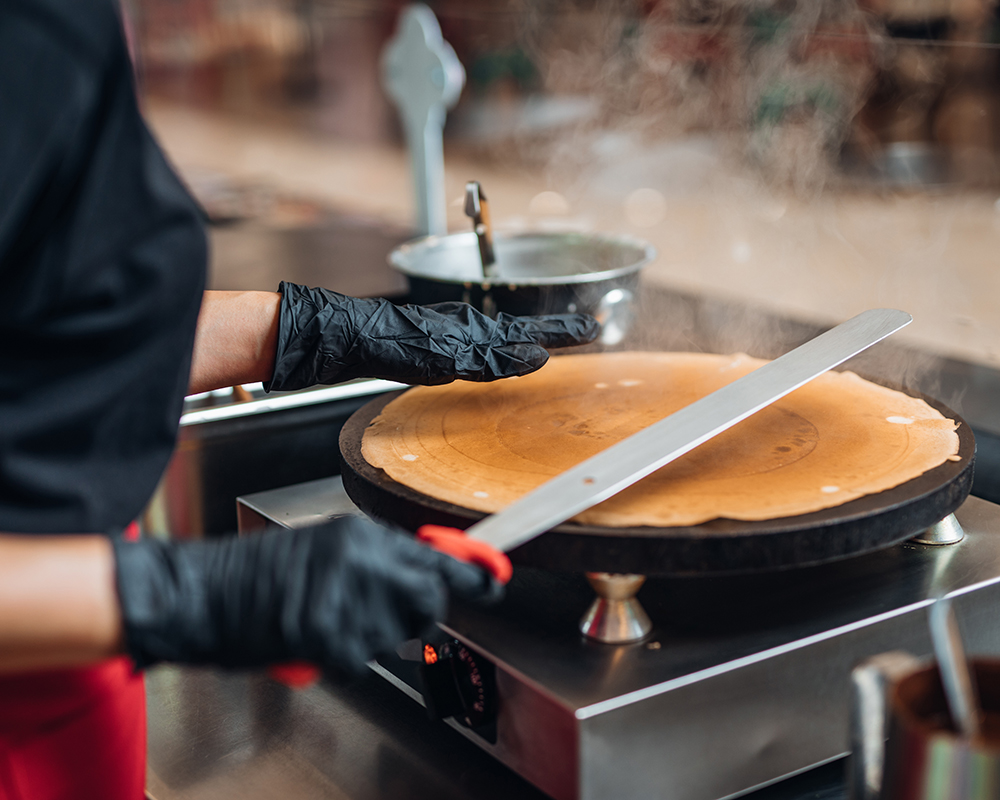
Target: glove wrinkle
{"x": 335, "y": 595}
{"x": 325, "y": 337}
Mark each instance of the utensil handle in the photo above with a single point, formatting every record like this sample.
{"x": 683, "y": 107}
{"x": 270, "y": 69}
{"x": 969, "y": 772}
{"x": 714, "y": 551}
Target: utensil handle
{"x": 956, "y": 677}
{"x": 296, "y": 674}
{"x": 473, "y": 551}
{"x": 453, "y": 542}
{"x": 869, "y": 721}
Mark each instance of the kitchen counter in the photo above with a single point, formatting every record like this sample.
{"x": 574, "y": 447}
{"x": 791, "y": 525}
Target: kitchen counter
{"x": 215, "y": 735}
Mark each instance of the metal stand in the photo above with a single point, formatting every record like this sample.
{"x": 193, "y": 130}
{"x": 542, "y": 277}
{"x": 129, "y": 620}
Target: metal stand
{"x": 947, "y": 531}
{"x": 615, "y": 616}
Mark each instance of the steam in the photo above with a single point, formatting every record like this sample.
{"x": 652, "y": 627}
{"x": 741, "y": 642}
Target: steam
{"x": 780, "y": 82}
{"x": 716, "y": 129}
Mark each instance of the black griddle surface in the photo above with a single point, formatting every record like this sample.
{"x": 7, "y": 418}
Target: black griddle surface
{"x": 720, "y": 546}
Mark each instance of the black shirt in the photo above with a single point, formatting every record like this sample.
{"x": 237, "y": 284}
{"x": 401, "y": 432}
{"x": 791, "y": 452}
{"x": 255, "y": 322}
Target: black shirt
{"x": 102, "y": 262}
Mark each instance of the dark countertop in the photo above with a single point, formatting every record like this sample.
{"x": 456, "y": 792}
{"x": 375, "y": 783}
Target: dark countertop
{"x": 223, "y": 735}
{"x": 231, "y": 736}
{"x": 344, "y": 254}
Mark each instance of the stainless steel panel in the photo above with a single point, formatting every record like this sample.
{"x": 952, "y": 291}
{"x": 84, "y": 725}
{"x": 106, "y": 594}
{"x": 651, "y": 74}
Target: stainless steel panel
{"x": 758, "y": 694}
{"x": 309, "y": 503}
{"x": 756, "y": 722}
{"x": 226, "y": 449}
{"x": 746, "y": 679}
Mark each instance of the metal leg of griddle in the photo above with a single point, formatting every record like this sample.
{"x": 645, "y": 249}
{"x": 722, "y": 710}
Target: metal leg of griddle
{"x": 947, "y": 531}
{"x": 615, "y": 616}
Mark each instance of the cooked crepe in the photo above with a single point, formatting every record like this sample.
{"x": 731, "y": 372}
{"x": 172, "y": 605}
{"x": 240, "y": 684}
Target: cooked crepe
{"x": 482, "y": 446}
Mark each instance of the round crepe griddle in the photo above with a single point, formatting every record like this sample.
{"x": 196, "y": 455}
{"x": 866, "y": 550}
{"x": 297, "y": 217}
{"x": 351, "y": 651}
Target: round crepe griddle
{"x": 719, "y": 546}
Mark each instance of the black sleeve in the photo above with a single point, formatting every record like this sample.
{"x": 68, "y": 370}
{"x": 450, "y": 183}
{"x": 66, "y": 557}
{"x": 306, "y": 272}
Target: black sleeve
{"x": 102, "y": 259}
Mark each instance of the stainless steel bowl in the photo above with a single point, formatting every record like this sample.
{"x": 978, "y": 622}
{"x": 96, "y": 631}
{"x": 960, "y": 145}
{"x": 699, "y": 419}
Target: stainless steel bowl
{"x": 539, "y": 273}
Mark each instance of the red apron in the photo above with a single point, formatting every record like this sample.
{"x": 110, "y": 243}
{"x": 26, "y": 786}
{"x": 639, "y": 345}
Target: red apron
{"x": 74, "y": 734}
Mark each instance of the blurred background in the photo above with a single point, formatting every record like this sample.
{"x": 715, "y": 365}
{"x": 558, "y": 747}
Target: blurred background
{"x": 813, "y": 157}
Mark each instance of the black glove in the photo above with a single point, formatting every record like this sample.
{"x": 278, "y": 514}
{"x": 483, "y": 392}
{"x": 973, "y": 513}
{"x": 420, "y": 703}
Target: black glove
{"x": 335, "y": 595}
{"x": 325, "y": 337}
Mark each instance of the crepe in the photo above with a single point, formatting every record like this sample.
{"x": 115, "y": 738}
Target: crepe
{"x": 482, "y": 446}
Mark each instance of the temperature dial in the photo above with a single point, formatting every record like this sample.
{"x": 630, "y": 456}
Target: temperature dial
{"x": 459, "y": 683}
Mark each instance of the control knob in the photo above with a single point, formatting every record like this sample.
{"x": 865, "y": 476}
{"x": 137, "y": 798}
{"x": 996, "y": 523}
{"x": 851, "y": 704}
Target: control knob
{"x": 458, "y": 682}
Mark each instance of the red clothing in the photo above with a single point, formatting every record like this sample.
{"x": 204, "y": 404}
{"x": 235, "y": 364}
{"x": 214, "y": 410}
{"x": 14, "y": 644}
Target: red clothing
{"x": 74, "y": 733}
{"x": 77, "y": 733}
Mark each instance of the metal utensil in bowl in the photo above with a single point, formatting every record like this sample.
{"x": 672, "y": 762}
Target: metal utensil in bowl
{"x": 535, "y": 273}
{"x": 478, "y": 209}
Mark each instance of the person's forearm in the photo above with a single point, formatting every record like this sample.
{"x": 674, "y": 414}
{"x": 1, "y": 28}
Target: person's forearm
{"x": 235, "y": 340}
{"x": 58, "y": 602}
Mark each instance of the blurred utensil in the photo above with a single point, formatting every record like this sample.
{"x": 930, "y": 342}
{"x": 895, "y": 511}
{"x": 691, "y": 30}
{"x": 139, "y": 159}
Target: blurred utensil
{"x": 424, "y": 77}
{"x": 959, "y": 687}
{"x": 478, "y": 209}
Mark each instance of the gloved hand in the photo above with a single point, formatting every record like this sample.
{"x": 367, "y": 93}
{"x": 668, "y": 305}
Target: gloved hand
{"x": 335, "y": 595}
{"x": 325, "y": 337}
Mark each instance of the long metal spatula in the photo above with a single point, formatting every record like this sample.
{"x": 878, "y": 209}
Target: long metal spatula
{"x": 632, "y": 459}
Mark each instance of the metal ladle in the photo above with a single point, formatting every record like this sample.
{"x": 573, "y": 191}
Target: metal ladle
{"x": 956, "y": 678}
{"x": 478, "y": 209}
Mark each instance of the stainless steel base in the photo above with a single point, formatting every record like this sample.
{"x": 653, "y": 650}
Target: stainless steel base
{"x": 742, "y": 682}
{"x": 947, "y": 531}
{"x": 615, "y": 616}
